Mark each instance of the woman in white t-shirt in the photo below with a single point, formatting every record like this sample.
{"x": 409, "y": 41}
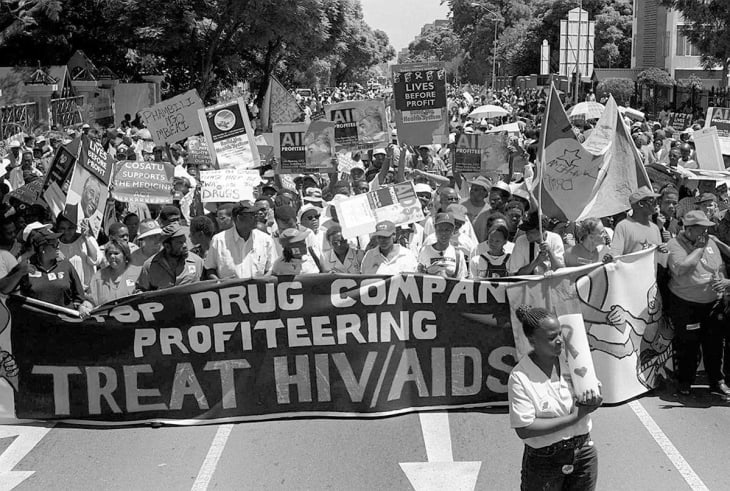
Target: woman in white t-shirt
{"x": 490, "y": 260}
{"x": 442, "y": 258}
{"x": 547, "y": 414}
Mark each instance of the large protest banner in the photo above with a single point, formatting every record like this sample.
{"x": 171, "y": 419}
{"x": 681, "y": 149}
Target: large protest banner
{"x": 481, "y": 153}
{"x": 227, "y": 185}
{"x": 398, "y": 203}
{"x": 419, "y": 92}
{"x": 359, "y": 124}
{"x": 719, "y": 117}
{"x": 305, "y": 147}
{"x": 174, "y": 119}
{"x": 229, "y": 135}
{"x": 143, "y": 182}
{"x": 319, "y": 346}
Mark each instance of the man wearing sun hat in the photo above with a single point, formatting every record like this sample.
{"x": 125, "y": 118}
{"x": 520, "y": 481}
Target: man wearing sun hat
{"x": 638, "y": 232}
{"x": 478, "y": 192}
{"x": 388, "y": 258}
{"x": 173, "y": 265}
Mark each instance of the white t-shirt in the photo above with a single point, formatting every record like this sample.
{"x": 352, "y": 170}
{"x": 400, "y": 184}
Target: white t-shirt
{"x": 402, "y": 261}
{"x": 521, "y": 253}
{"x": 533, "y": 395}
{"x": 449, "y": 262}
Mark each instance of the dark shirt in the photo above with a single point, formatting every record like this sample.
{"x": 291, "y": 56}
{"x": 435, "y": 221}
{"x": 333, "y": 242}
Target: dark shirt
{"x": 157, "y": 273}
{"x": 60, "y": 285}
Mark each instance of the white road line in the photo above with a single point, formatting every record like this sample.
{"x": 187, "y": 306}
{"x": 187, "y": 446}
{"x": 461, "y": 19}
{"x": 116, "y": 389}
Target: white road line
{"x": 437, "y": 436}
{"x": 689, "y": 475}
{"x": 205, "y": 474}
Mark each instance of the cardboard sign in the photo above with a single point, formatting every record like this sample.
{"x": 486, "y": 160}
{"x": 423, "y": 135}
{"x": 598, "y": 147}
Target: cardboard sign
{"x": 680, "y": 121}
{"x": 198, "y": 153}
{"x": 143, "y": 182}
{"x": 419, "y": 91}
{"x": 707, "y": 145}
{"x": 481, "y": 152}
{"x": 85, "y": 200}
{"x": 94, "y": 158}
{"x": 226, "y": 185}
{"x": 359, "y": 124}
{"x": 174, "y": 119}
{"x": 229, "y": 134}
{"x": 305, "y": 147}
{"x": 719, "y": 117}
{"x": 397, "y": 203}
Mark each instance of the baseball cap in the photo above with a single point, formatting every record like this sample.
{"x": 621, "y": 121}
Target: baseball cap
{"x": 292, "y": 236}
{"x": 25, "y": 235}
{"x": 386, "y": 228}
{"x": 245, "y": 206}
{"x": 443, "y": 218}
{"x": 457, "y": 212}
{"x": 423, "y": 188}
{"x": 705, "y": 197}
{"x": 85, "y": 126}
{"x": 481, "y": 181}
{"x": 696, "y": 217}
{"x": 172, "y": 230}
{"x": 148, "y": 229}
{"x": 379, "y": 151}
{"x": 642, "y": 193}
{"x": 42, "y": 236}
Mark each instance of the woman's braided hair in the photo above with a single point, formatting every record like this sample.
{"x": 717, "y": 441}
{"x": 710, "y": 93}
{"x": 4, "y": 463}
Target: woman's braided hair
{"x": 531, "y": 317}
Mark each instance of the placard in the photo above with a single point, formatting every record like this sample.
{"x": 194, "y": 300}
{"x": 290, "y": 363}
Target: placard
{"x": 680, "y": 121}
{"x": 419, "y": 91}
{"x": 707, "y": 146}
{"x": 198, "y": 153}
{"x": 397, "y": 203}
{"x": 143, "y": 182}
{"x": 302, "y": 148}
{"x": 719, "y": 117}
{"x": 174, "y": 119}
{"x": 481, "y": 152}
{"x": 228, "y": 185}
{"x": 359, "y": 124}
{"x": 229, "y": 134}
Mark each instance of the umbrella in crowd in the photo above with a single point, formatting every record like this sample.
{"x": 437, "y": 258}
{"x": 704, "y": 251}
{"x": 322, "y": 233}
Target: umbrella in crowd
{"x": 586, "y": 110}
{"x": 488, "y": 111}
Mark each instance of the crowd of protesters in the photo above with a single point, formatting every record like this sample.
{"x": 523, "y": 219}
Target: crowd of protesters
{"x": 476, "y": 227}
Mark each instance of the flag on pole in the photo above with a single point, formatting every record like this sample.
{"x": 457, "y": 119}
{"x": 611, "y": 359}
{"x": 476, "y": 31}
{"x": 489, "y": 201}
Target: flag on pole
{"x": 279, "y": 105}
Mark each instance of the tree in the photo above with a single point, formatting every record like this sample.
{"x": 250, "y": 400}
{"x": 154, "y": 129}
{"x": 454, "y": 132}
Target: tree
{"x": 707, "y": 26}
{"x": 18, "y": 15}
{"x": 654, "y": 79}
{"x": 437, "y": 44}
{"x": 620, "y": 88}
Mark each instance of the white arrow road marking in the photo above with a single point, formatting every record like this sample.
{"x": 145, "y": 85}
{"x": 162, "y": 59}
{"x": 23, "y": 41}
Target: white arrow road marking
{"x": 26, "y": 438}
{"x": 440, "y": 472}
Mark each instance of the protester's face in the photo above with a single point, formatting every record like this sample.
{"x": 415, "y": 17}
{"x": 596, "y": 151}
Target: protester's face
{"x": 425, "y": 199}
{"x": 548, "y": 338}
{"x": 449, "y": 197}
{"x": 674, "y": 156}
{"x": 709, "y": 207}
{"x": 658, "y": 145}
{"x": 90, "y": 197}
{"x": 685, "y": 153}
{"x": 176, "y": 247}
{"x": 245, "y": 221}
{"x": 123, "y": 234}
{"x": 595, "y": 238}
{"x": 132, "y": 224}
{"x": 385, "y": 243}
{"x": 170, "y": 219}
{"x": 647, "y": 205}
{"x": 311, "y": 220}
{"x": 668, "y": 205}
{"x": 150, "y": 245}
{"x": 362, "y": 188}
{"x": 49, "y": 251}
{"x": 515, "y": 217}
{"x": 496, "y": 241}
{"x": 694, "y": 232}
{"x": 378, "y": 160}
{"x": 444, "y": 231}
{"x": 8, "y": 233}
{"x": 223, "y": 217}
{"x": 114, "y": 257}
{"x": 357, "y": 173}
{"x": 496, "y": 201}
{"x": 477, "y": 194}
{"x": 264, "y": 207}
{"x": 339, "y": 243}
{"x": 67, "y": 230}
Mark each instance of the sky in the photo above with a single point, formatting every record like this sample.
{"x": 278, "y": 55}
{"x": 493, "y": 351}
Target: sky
{"x": 402, "y": 20}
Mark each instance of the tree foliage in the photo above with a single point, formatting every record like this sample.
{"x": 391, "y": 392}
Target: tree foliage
{"x": 620, "y": 88}
{"x": 207, "y": 44}
{"x": 655, "y": 77}
{"x": 438, "y": 43}
{"x": 18, "y": 15}
{"x": 707, "y": 26}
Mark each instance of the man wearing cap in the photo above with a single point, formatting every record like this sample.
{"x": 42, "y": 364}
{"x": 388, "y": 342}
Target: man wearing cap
{"x": 388, "y": 258}
{"x": 697, "y": 278}
{"x": 534, "y": 253}
{"x": 173, "y": 265}
{"x": 341, "y": 257}
{"x": 478, "y": 192}
{"x": 638, "y": 232}
{"x": 707, "y": 203}
{"x": 441, "y": 258}
{"x": 243, "y": 251}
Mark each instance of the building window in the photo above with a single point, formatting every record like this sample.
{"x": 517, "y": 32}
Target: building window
{"x": 684, "y": 47}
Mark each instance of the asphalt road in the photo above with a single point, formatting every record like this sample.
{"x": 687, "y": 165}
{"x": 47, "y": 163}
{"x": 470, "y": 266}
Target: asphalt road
{"x": 653, "y": 443}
